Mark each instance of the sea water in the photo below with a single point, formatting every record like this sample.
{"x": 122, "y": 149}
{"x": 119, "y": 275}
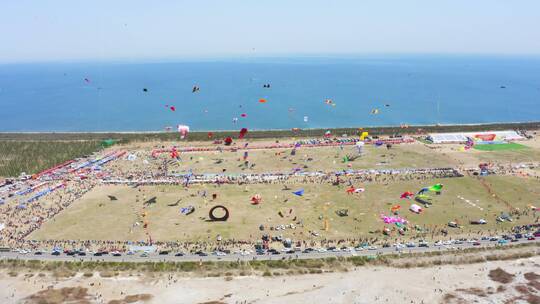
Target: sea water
{"x": 99, "y": 96}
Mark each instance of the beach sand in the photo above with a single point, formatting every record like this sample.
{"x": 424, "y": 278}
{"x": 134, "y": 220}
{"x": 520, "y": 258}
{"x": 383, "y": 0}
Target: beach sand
{"x": 479, "y": 283}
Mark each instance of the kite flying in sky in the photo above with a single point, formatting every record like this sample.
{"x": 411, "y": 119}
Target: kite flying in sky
{"x": 330, "y": 102}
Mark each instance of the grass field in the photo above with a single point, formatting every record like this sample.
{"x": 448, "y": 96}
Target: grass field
{"x": 499, "y": 147}
{"x": 33, "y": 156}
{"x": 96, "y": 217}
{"x": 308, "y": 159}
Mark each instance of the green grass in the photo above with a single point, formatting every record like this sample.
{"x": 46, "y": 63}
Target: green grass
{"x": 499, "y": 147}
{"x": 34, "y": 156}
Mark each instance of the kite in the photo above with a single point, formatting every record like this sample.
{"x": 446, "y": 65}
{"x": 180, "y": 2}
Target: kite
{"x": 256, "y": 199}
{"x": 299, "y": 192}
{"x": 364, "y": 135}
{"x": 87, "y": 80}
{"x": 235, "y": 120}
{"x": 187, "y": 210}
{"x": 195, "y": 89}
{"x": 228, "y": 141}
{"x": 327, "y": 133}
{"x": 306, "y": 119}
{"x": 352, "y": 190}
{"x": 243, "y": 133}
{"x": 434, "y": 188}
{"x": 415, "y": 208}
{"x": 375, "y": 111}
{"x": 267, "y": 86}
{"x": 330, "y": 102}
{"x": 407, "y": 195}
{"x": 172, "y": 108}
{"x": 210, "y": 134}
{"x": 359, "y": 146}
{"x": 174, "y": 204}
{"x": 395, "y": 208}
{"x": 174, "y": 153}
{"x": 243, "y": 115}
{"x": 145, "y": 90}
{"x": 393, "y": 219}
{"x": 262, "y": 100}
{"x": 183, "y": 130}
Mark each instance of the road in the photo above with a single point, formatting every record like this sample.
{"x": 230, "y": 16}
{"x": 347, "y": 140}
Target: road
{"x": 154, "y": 257}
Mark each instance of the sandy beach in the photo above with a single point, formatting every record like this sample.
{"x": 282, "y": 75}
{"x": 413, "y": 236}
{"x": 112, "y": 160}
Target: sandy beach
{"x": 478, "y": 283}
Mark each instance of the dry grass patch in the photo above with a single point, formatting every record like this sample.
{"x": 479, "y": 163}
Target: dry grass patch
{"x": 501, "y": 276}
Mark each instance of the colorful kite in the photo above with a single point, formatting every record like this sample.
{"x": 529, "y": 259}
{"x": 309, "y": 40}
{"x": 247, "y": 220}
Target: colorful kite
{"x": 330, "y": 102}
{"x": 256, "y": 199}
{"x": 243, "y": 133}
{"x": 407, "y": 195}
{"x": 299, "y": 192}
{"x": 352, "y": 190}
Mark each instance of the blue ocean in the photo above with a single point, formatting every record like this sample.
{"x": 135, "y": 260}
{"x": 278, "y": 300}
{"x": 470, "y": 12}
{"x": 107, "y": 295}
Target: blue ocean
{"x": 399, "y": 89}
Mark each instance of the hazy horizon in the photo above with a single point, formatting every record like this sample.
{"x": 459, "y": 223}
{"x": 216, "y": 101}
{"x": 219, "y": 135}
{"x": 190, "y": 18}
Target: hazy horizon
{"x": 130, "y": 31}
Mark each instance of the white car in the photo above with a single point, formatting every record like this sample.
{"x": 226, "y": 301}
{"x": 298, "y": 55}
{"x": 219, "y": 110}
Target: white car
{"x": 372, "y": 248}
{"x": 321, "y": 250}
{"x": 220, "y": 253}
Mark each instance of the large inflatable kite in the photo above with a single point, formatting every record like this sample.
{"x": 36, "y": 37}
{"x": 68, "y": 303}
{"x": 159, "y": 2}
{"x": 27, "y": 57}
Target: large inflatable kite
{"x": 222, "y": 218}
{"x": 434, "y": 188}
{"x": 407, "y": 195}
{"x": 393, "y": 219}
{"x": 243, "y": 133}
{"x": 183, "y": 130}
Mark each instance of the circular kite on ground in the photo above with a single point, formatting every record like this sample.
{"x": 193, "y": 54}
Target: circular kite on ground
{"x": 222, "y": 218}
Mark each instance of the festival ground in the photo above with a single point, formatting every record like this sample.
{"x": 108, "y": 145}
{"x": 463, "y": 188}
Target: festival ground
{"x": 96, "y": 217}
{"x": 89, "y": 208}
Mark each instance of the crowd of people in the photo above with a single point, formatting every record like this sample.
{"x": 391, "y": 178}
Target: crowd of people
{"x": 19, "y": 223}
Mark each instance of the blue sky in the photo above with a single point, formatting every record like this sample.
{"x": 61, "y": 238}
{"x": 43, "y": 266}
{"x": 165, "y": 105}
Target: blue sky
{"x": 67, "y": 30}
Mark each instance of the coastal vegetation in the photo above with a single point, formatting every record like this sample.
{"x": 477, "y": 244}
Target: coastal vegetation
{"x": 32, "y": 156}
{"x": 257, "y": 134}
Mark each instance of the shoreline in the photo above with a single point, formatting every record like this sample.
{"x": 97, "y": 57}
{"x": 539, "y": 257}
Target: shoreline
{"x": 202, "y": 135}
